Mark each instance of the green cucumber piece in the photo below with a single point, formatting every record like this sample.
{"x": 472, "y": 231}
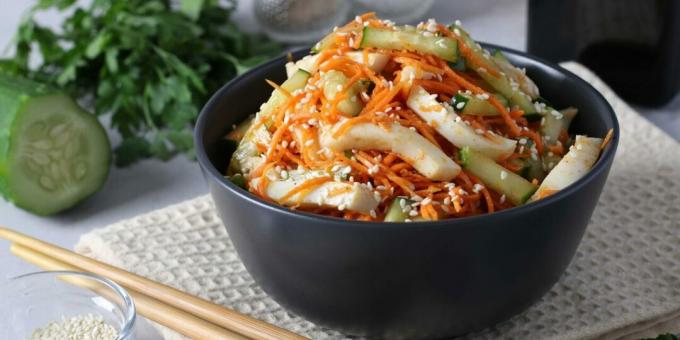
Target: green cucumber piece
{"x": 523, "y": 166}
{"x": 246, "y": 156}
{"x": 442, "y": 47}
{"x": 334, "y": 79}
{"x": 549, "y": 161}
{"x": 472, "y": 105}
{"x": 53, "y": 154}
{"x": 515, "y": 188}
{"x": 555, "y": 122}
{"x": 395, "y": 213}
{"x": 536, "y": 170}
{"x": 238, "y": 179}
{"x": 297, "y": 81}
{"x": 501, "y": 83}
{"x": 526, "y": 85}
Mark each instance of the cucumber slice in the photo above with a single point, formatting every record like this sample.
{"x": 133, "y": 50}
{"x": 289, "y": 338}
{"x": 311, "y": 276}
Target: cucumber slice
{"x": 53, "y": 154}
{"x": 555, "y": 122}
{"x": 473, "y": 105}
{"x": 516, "y": 189}
{"x": 500, "y": 83}
{"x": 333, "y": 81}
{"x": 550, "y": 161}
{"x": 246, "y": 157}
{"x": 525, "y": 83}
{"x": 238, "y": 179}
{"x": 442, "y": 47}
{"x": 307, "y": 63}
{"x": 536, "y": 169}
{"x": 522, "y": 165}
{"x": 397, "y": 213}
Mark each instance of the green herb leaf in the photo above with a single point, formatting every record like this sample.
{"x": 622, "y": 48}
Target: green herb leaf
{"x": 150, "y": 66}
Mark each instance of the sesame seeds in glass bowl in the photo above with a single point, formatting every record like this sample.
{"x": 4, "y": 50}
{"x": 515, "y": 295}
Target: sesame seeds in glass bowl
{"x": 65, "y": 304}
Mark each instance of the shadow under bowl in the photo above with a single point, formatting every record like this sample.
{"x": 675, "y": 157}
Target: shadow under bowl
{"x": 406, "y": 280}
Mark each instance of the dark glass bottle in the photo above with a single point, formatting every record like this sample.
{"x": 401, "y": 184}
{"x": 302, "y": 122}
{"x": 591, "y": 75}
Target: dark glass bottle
{"x": 633, "y": 45}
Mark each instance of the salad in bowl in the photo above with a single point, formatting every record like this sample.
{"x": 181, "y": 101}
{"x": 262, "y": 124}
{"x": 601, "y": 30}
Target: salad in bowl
{"x": 407, "y": 123}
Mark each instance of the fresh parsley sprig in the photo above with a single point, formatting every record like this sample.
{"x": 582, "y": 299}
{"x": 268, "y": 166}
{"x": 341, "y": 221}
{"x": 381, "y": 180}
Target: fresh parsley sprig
{"x": 150, "y": 64}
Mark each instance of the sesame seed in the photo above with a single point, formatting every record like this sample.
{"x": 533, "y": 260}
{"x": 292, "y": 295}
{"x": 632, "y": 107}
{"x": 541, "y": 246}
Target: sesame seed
{"x": 341, "y": 207}
{"x": 309, "y": 143}
{"x": 504, "y": 175}
{"x": 372, "y": 213}
{"x": 407, "y": 220}
{"x": 502, "y": 199}
{"x": 460, "y": 105}
{"x": 479, "y": 131}
{"x": 413, "y": 213}
{"x": 477, "y": 187}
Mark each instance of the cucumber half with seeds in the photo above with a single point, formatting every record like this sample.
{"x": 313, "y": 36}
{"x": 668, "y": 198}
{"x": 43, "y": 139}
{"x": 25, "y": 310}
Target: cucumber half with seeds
{"x": 53, "y": 154}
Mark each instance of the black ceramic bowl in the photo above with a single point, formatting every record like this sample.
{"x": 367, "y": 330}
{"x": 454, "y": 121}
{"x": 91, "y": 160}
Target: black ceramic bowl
{"x": 406, "y": 280}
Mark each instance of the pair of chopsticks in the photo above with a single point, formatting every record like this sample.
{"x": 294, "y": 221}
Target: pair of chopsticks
{"x": 179, "y": 311}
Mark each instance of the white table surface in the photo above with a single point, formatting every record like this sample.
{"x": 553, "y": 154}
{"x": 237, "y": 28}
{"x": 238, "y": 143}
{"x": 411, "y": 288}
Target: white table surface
{"x": 152, "y": 184}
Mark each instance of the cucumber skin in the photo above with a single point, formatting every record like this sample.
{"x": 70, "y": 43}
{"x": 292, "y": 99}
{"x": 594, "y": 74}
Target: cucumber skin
{"x": 394, "y": 212}
{"x": 467, "y": 158}
{"x": 383, "y": 38}
{"x": 15, "y": 94}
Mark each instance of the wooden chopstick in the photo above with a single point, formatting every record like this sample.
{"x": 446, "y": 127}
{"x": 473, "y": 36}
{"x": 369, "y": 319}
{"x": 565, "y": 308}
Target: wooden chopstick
{"x": 151, "y": 308}
{"x": 227, "y": 318}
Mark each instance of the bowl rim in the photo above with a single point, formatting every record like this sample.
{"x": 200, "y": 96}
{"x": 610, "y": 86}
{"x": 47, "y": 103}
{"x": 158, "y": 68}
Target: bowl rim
{"x": 601, "y": 165}
{"x": 128, "y": 307}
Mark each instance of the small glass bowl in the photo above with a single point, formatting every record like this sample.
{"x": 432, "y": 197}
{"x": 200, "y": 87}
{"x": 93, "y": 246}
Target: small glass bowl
{"x": 32, "y": 301}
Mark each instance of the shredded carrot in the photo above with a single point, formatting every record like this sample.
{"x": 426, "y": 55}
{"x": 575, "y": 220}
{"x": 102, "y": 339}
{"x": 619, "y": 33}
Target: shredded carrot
{"x": 607, "y": 139}
{"x": 279, "y": 88}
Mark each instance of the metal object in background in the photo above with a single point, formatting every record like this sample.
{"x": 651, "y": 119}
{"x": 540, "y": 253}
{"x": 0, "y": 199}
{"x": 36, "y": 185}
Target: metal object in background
{"x": 400, "y": 11}
{"x": 634, "y": 45}
{"x": 300, "y": 21}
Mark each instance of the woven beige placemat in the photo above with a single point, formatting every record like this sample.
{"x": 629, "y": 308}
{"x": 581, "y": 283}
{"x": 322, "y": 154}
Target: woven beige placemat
{"x": 623, "y": 281}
